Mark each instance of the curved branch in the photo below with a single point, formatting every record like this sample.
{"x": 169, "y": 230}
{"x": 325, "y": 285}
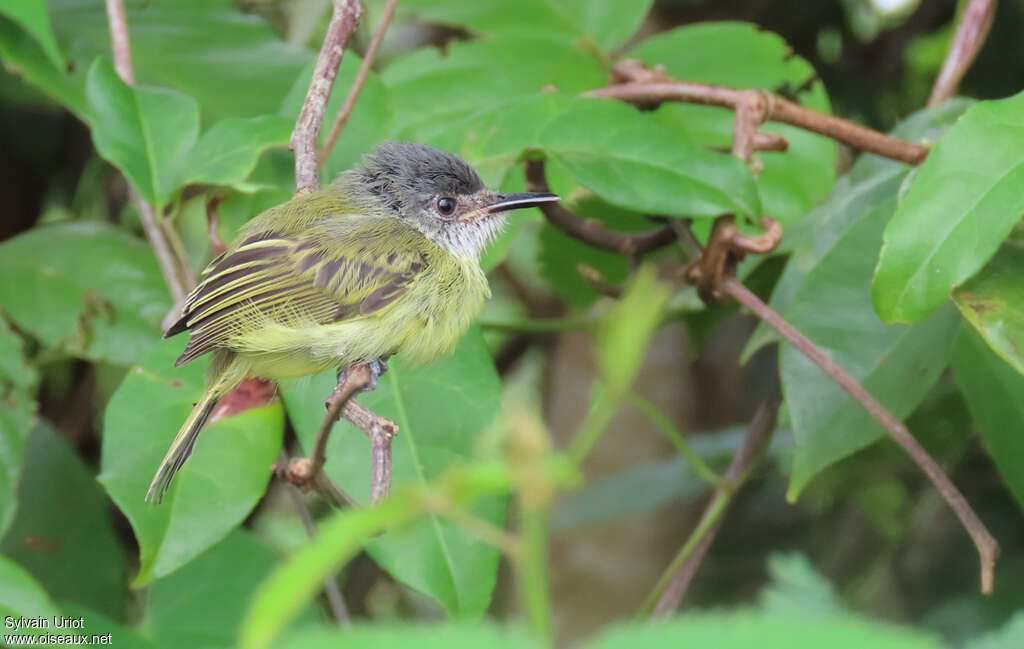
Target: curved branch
{"x": 970, "y": 36}
{"x": 590, "y": 231}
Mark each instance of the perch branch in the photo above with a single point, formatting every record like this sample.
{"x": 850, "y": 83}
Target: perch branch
{"x": 303, "y": 143}
{"x": 634, "y": 83}
{"x": 630, "y": 244}
{"x": 674, "y": 583}
{"x": 970, "y": 36}
{"x": 988, "y": 548}
{"x": 357, "y": 86}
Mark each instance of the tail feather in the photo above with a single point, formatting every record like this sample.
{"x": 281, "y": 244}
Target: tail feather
{"x": 225, "y": 372}
{"x": 181, "y": 447}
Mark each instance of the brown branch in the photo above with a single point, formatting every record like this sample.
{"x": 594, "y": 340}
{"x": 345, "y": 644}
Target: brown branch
{"x": 691, "y": 556}
{"x": 631, "y": 244}
{"x": 308, "y": 472}
{"x": 176, "y": 273}
{"x": 303, "y": 143}
{"x": 213, "y": 225}
{"x": 988, "y": 548}
{"x": 597, "y": 281}
{"x": 641, "y": 86}
{"x": 364, "y": 71}
{"x": 970, "y": 36}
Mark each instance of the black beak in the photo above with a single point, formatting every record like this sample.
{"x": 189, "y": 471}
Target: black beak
{"x": 507, "y": 202}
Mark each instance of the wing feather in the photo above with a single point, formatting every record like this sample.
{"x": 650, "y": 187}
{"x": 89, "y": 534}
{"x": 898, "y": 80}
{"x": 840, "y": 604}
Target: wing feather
{"x": 290, "y": 280}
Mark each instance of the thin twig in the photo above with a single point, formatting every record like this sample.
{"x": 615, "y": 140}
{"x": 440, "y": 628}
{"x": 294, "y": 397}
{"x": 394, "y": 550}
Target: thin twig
{"x": 988, "y": 548}
{"x": 213, "y": 225}
{"x": 331, "y": 588}
{"x": 647, "y": 88}
{"x": 364, "y": 71}
{"x": 674, "y": 583}
{"x": 594, "y": 232}
{"x": 344, "y": 21}
{"x": 970, "y": 36}
{"x": 176, "y": 272}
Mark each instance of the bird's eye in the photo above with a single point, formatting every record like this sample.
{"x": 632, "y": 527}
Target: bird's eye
{"x": 445, "y": 205}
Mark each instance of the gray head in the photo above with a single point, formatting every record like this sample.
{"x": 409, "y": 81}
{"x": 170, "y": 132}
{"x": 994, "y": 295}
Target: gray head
{"x": 435, "y": 191}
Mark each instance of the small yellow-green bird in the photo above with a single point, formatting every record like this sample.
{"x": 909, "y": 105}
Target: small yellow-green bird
{"x": 385, "y": 260}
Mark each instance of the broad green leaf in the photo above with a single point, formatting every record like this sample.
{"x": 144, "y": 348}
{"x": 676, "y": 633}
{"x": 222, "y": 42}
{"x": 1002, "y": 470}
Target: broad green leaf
{"x": 493, "y": 138}
{"x": 601, "y": 23}
{"x": 441, "y": 410}
{"x": 871, "y": 186}
{"x": 227, "y": 153}
{"x": 478, "y": 75}
{"x": 85, "y": 288}
{"x": 433, "y": 636}
{"x": 144, "y": 132}
{"x": 995, "y": 397}
{"x": 32, "y": 16}
{"x": 203, "y": 603}
{"x": 231, "y": 62}
{"x": 628, "y": 159}
{"x": 22, "y": 597}
{"x": 956, "y": 213}
{"x": 747, "y": 629}
{"x": 17, "y": 418}
{"x": 63, "y": 533}
{"x": 993, "y": 302}
{"x": 897, "y": 364}
{"x": 743, "y": 56}
{"x": 369, "y": 123}
{"x": 218, "y": 486}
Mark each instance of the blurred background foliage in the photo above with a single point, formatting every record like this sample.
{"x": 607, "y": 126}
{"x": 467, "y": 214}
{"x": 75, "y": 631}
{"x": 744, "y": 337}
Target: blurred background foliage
{"x": 868, "y": 555}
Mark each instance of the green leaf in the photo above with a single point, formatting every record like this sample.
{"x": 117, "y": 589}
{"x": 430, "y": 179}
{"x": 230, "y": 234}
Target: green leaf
{"x": 85, "y": 288}
{"x": 628, "y": 159}
{"x": 232, "y": 63}
{"x": 144, "y": 132}
{"x": 227, "y": 153}
{"x": 122, "y": 637}
{"x": 32, "y": 16}
{"x": 625, "y": 332}
{"x": 604, "y": 23}
{"x": 17, "y": 418}
{"x": 958, "y": 210}
{"x": 897, "y": 364}
{"x": 203, "y": 603}
{"x": 993, "y": 302}
{"x": 494, "y": 138}
{"x": 21, "y": 596}
{"x": 369, "y": 123}
{"x": 215, "y": 490}
{"x": 797, "y": 589}
{"x": 432, "y": 87}
{"x": 440, "y": 410}
{"x": 746, "y": 629}
{"x": 871, "y": 186}
{"x": 63, "y": 533}
{"x": 741, "y": 55}
{"x": 434, "y": 636}
{"x": 993, "y": 391}
{"x": 24, "y": 57}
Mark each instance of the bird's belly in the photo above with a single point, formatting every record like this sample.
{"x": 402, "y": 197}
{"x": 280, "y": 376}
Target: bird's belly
{"x": 420, "y": 326}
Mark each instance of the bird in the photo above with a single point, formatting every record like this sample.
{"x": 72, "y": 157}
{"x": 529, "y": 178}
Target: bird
{"x": 385, "y": 260}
